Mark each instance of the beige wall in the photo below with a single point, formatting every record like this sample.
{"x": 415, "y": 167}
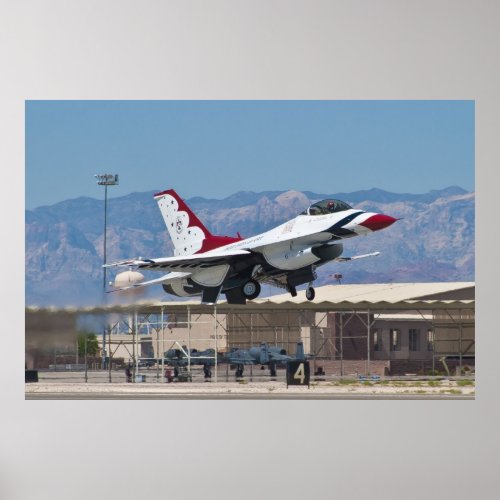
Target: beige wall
{"x": 283, "y": 329}
{"x": 153, "y": 340}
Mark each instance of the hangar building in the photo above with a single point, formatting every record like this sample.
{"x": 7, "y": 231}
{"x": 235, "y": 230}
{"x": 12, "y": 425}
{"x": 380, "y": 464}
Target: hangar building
{"x": 393, "y": 328}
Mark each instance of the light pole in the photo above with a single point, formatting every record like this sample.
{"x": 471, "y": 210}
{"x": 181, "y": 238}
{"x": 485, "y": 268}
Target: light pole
{"x": 105, "y": 180}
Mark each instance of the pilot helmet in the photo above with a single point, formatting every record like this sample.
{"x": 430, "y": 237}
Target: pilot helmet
{"x": 331, "y": 206}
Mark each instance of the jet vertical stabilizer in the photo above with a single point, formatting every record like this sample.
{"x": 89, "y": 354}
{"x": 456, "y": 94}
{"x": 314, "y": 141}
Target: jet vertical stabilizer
{"x": 300, "y": 354}
{"x": 188, "y": 234}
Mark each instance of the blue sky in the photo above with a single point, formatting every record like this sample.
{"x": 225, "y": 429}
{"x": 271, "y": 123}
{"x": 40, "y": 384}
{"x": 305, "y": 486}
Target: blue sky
{"x": 216, "y": 148}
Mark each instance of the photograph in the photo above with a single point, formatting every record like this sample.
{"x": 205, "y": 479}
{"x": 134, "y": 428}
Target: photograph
{"x": 289, "y": 249}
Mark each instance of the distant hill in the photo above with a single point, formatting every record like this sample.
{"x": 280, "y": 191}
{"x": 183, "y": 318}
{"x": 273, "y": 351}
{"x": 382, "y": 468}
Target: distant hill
{"x": 434, "y": 241}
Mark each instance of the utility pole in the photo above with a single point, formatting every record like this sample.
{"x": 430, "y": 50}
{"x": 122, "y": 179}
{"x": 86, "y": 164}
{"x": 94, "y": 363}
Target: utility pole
{"x": 105, "y": 180}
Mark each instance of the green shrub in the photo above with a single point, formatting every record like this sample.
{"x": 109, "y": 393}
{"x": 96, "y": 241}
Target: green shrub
{"x": 346, "y": 381}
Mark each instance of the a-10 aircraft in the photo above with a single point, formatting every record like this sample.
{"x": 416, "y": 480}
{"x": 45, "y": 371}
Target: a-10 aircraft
{"x": 184, "y": 357}
{"x": 286, "y": 256}
{"x": 263, "y": 355}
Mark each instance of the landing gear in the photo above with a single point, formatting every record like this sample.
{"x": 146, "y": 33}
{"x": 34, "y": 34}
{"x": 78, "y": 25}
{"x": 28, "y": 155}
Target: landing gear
{"x": 239, "y": 371}
{"x": 207, "y": 371}
{"x": 310, "y": 293}
{"x": 251, "y": 289}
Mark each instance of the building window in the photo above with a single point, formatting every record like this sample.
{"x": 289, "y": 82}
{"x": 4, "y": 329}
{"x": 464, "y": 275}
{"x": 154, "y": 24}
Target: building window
{"x": 395, "y": 336}
{"x": 414, "y": 338}
{"x": 430, "y": 340}
{"x": 376, "y": 341}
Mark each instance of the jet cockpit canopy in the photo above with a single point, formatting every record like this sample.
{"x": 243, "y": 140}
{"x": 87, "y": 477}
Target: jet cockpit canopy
{"x": 325, "y": 207}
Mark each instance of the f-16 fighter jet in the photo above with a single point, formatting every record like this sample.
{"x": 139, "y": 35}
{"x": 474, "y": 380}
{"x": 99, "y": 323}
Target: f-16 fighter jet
{"x": 286, "y": 256}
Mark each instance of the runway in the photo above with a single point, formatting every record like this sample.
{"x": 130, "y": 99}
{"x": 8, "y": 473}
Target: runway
{"x": 239, "y": 396}
{"x": 64, "y": 388}
{"x": 207, "y": 392}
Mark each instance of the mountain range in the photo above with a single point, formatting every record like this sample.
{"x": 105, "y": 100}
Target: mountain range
{"x": 433, "y": 241}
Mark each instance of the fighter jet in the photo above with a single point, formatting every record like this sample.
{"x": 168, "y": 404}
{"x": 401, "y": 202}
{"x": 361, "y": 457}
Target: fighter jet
{"x": 262, "y": 355}
{"x": 286, "y": 256}
{"x": 184, "y": 357}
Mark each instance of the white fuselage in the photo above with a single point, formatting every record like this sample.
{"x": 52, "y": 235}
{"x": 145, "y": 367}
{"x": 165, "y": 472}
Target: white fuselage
{"x": 289, "y": 246}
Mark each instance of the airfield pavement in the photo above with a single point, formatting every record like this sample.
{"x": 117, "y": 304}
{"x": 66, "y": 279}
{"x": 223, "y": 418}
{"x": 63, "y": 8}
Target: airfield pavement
{"x": 63, "y": 386}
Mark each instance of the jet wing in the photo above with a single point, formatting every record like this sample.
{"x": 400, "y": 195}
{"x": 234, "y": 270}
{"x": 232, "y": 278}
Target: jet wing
{"x": 281, "y": 358}
{"x": 187, "y": 262}
{"x": 240, "y": 357}
{"x": 279, "y": 280}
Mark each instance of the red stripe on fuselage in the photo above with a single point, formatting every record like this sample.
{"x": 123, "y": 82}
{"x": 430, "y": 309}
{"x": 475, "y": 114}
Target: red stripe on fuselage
{"x": 213, "y": 242}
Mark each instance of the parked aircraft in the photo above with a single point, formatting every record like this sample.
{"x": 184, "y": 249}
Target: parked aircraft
{"x": 185, "y": 357}
{"x": 262, "y": 355}
{"x": 179, "y": 357}
{"x": 286, "y": 256}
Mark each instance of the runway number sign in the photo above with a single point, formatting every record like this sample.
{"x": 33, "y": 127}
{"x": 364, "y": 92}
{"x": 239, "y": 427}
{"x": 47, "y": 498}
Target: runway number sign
{"x": 297, "y": 373}
{"x": 300, "y": 373}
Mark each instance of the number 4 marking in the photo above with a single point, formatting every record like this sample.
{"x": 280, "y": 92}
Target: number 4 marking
{"x": 300, "y": 373}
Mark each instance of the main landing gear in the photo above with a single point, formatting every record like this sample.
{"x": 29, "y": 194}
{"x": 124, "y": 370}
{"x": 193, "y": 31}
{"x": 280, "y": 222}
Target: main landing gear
{"x": 251, "y": 289}
{"x": 207, "y": 372}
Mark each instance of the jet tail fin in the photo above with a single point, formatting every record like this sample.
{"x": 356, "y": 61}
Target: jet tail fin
{"x": 264, "y": 353}
{"x": 299, "y": 353}
{"x": 188, "y": 233}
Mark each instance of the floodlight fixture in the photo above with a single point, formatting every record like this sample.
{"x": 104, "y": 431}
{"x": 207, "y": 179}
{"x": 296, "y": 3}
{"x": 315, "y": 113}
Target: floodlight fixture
{"x": 106, "y": 179}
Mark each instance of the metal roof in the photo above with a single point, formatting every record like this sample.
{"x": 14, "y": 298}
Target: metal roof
{"x": 375, "y": 293}
{"x": 390, "y": 296}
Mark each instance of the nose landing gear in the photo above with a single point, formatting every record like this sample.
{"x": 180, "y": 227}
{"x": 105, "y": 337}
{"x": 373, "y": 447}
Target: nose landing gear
{"x": 310, "y": 293}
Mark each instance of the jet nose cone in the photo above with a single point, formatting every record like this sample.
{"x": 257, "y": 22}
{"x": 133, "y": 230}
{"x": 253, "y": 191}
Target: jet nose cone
{"x": 378, "y": 221}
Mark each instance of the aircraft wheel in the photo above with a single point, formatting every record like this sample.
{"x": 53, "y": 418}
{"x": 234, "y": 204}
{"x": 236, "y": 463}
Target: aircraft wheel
{"x": 310, "y": 293}
{"x": 251, "y": 289}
